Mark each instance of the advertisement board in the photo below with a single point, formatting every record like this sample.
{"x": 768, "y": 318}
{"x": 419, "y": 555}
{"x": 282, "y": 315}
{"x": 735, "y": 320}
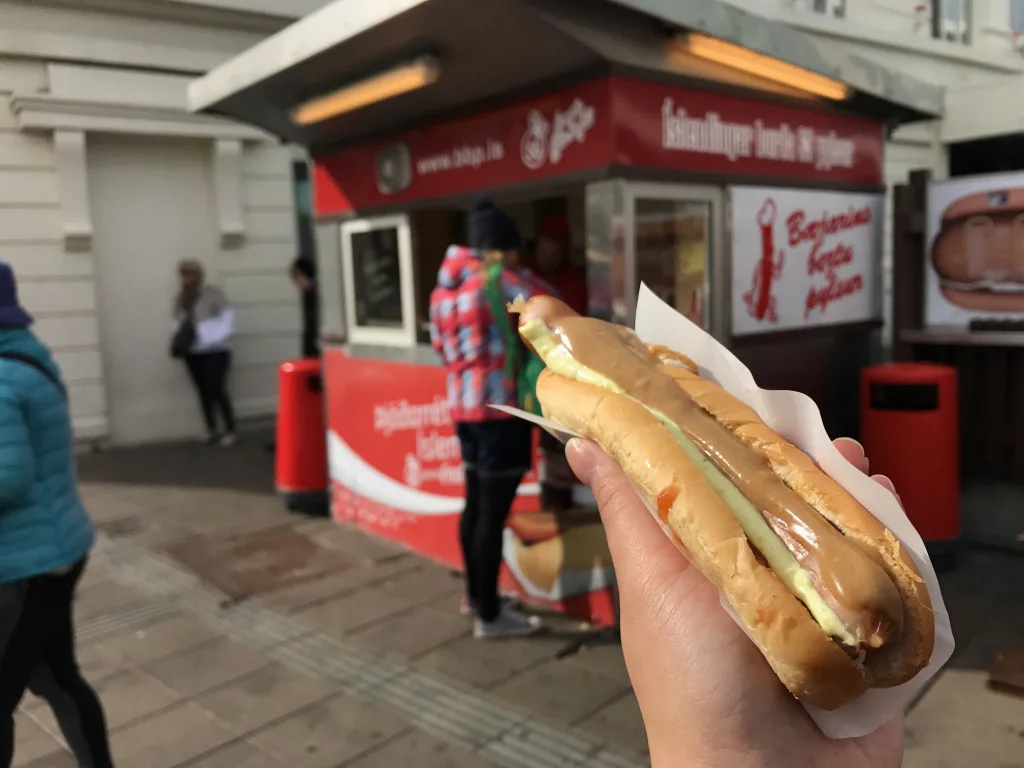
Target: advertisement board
{"x": 804, "y": 258}
{"x": 395, "y": 470}
{"x": 974, "y": 259}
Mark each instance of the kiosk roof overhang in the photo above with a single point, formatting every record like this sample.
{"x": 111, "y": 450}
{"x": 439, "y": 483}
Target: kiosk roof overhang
{"x": 493, "y": 48}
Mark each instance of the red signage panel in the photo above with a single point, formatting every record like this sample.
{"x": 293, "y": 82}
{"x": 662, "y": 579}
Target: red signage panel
{"x": 396, "y": 472}
{"x": 555, "y": 134}
{"x": 596, "y": 124}
{"x": 663, "y": 126}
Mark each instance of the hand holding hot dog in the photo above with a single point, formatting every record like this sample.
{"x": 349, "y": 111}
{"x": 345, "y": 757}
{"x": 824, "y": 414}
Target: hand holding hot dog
{"x": 825, "y": 591}
{"x": 707, "y": 695}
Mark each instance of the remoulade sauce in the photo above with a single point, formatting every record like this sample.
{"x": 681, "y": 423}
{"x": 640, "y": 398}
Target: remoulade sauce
{"x": 848, "y": 577}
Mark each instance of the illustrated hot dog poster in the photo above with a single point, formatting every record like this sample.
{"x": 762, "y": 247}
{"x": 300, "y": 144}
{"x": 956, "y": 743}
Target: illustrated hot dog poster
{"x": 975, "y": 252}
{"x": 802, "y": 258}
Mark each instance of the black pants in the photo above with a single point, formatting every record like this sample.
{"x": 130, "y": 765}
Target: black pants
{"x": 496, "y": 455}
{"x": 37, "y": 651}
{"x": 209, "y": 372}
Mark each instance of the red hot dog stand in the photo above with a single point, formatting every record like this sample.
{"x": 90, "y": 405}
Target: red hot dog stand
{"x": 728, "y": 161}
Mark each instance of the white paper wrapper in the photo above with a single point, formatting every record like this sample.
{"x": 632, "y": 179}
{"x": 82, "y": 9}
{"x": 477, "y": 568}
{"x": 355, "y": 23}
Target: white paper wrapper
{"x": 795, "y": 416}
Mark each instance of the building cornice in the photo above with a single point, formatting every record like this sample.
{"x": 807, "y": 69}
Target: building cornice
{"x": 41, "y": 112}
{"x": 70, "y": 121}
{"x": 246, "y": 15}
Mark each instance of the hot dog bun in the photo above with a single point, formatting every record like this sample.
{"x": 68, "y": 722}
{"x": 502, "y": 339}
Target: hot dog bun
{"x": 982, "y": 300}
{"x": 579, "y": 548}
{"x": 806, "y": 660}
{"x": 893, "y": 664}
{"x": 977, "y": 253}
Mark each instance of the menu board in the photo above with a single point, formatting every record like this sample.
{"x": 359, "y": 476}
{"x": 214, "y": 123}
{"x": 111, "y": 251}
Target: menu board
{"x": 376, "y": 273}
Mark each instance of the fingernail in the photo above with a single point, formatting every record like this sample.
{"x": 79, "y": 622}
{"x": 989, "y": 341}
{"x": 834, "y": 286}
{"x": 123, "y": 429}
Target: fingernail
{"x": 885, "y": 482}
{"x": 855, "y": 442}
{"x": 581, "y": 458}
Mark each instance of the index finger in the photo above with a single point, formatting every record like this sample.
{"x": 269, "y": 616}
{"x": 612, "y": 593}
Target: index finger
{"x": 853, "y": 452}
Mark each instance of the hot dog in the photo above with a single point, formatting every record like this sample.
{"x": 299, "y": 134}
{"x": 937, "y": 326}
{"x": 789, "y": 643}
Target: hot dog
{"x": 826, "y": 592}
{"x": 978, "y": 254}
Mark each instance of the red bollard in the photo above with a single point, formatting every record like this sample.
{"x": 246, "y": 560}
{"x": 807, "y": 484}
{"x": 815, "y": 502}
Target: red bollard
{"x": 301, "y": 452}
{"x": 910, "y": 431}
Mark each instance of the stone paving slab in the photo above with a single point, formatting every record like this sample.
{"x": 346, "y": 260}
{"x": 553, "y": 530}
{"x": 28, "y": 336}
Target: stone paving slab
{"x": 341, "y": 667}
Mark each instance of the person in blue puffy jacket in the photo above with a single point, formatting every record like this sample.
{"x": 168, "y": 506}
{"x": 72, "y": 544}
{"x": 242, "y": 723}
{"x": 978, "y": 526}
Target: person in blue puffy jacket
{"x": 45, "y": 537}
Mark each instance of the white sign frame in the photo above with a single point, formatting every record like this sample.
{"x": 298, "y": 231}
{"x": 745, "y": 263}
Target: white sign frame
{"x": 858, "y": 281}
{"x": 405, "y": 336}
{"x": 938, "y": 311}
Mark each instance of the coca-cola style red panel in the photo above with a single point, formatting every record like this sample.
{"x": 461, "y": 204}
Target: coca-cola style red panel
{"x": 596, "y": 124}
{"x": 396, "y": 471}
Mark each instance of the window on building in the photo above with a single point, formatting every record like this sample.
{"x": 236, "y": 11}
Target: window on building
{"x": 951, "y": 20}
{"x": 835, "y": 8}
{"x": 1017, "y": 16}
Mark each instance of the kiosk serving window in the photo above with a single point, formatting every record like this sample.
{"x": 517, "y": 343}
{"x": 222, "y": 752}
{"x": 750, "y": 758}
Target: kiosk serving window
{"x": 376, "y": 258}
{"x": 674, "y": 243}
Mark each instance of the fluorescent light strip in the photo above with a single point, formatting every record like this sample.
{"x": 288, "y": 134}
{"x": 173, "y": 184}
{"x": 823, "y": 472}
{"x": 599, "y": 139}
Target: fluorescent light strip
{"x": 751, "y": 62}
{"x": 386, "y": 85}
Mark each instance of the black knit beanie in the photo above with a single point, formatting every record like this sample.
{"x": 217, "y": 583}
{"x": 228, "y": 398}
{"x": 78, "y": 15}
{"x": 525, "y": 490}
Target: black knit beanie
{"x": 491, "y": 230}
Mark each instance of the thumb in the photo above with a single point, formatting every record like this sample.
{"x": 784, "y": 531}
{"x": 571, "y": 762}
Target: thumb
{"x": 642, "y": 554}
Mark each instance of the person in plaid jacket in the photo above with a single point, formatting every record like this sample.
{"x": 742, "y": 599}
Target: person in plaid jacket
{"x": 496, "y": 448}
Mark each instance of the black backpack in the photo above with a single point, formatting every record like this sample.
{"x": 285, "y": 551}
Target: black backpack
{"x": 183, "y": 339}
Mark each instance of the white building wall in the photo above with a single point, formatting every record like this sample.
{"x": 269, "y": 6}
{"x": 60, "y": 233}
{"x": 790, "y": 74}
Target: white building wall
{"x": 43, "y": 205}
{"x": 57, "y": 286}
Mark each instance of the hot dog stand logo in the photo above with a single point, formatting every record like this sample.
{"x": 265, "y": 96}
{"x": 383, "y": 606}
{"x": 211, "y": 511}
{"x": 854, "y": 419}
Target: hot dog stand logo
{"x": 760, "y": 299}
{"x": 824, "y": 259}
{"x": 545, "y": 141}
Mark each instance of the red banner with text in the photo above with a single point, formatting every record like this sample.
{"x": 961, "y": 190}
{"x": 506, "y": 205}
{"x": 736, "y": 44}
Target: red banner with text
{"x": 704, "y": 132}
{"x": 597, "y": 124}
{"x": 396, "y": 471}
{"x": 556, "y": 134}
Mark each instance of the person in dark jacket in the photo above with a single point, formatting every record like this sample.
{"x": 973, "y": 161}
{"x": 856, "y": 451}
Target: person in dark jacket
{"x": 496, "y": 448}
{"x": 45, "y": 537}
{"x": 551, "y": 257}
{"x": 303, "y": 274}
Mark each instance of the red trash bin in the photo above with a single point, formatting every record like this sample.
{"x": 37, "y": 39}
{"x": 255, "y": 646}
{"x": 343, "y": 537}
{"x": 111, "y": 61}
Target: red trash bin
{"x": 301, "y": 452}
{"x": 910, "y": 431}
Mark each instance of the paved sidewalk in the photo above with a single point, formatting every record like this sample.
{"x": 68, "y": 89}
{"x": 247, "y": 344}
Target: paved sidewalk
{"x": 370, "y": 665}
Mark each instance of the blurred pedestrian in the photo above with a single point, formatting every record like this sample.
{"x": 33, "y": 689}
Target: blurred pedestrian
{"x": 303, "y": 274}
{"x": 45, "y": 537}
{"x": 205, "y": 323}
{"x": 551, "y": 257}
{"x": 496, "y": 449}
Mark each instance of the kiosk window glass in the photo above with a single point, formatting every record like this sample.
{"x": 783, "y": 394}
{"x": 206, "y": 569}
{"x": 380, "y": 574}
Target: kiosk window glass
{"x": 673, "y": 240}
{"x": 376, "y": 271}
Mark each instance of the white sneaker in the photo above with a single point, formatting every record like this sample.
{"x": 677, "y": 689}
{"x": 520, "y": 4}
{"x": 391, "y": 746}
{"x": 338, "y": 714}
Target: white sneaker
{"x": 510, "y": 623}
{"x": 227, "y": 440}
{"x": 467, "y": 608}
